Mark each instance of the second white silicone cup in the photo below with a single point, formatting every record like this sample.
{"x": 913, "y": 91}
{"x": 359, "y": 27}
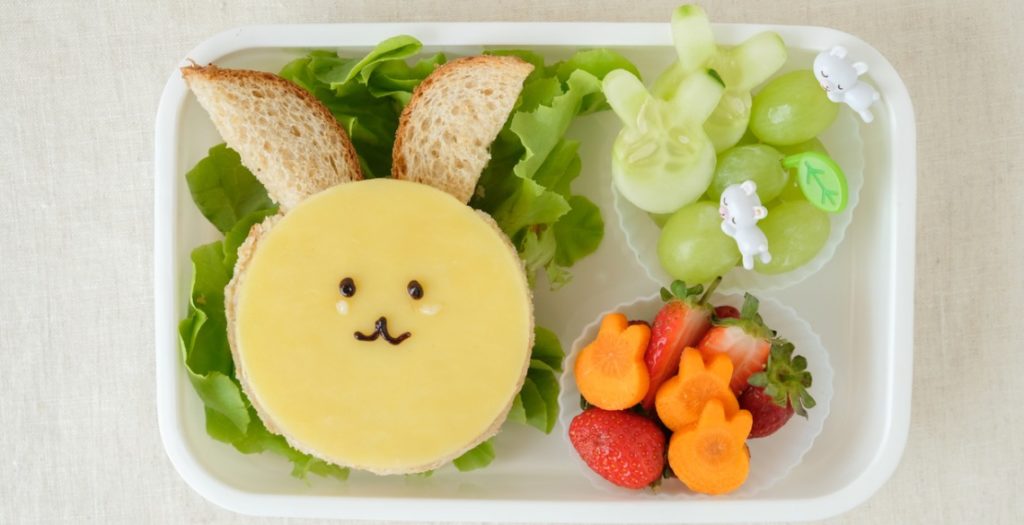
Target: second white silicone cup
{"x": 772, "y": 457}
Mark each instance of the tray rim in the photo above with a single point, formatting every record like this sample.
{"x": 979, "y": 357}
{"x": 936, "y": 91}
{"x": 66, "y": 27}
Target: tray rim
{"x": 576, "y": 34}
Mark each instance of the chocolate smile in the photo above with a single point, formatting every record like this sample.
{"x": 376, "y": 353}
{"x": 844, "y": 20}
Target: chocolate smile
{"x": 380, "y": 329}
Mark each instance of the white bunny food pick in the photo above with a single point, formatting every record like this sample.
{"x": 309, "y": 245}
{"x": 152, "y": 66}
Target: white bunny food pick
{"x": 839, "y": 79}
{"x": 740, "y": 208}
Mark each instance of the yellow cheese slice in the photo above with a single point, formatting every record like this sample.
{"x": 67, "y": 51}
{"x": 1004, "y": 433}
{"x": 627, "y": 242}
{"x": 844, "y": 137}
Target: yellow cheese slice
{"x": 374, "y": 405}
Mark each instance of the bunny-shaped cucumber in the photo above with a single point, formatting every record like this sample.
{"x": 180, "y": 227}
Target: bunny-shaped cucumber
{"x": 377, "y": 324}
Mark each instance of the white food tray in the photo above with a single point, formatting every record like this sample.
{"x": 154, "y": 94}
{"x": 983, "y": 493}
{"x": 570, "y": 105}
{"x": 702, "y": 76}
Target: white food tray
{"x": 861, "y": 304}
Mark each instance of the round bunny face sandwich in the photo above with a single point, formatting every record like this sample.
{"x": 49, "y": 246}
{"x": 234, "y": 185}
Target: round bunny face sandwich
{"x": 377, "y": 324}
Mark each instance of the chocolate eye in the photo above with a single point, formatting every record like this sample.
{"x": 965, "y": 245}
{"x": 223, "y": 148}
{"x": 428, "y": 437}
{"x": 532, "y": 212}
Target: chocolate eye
{"x": 347, "y": 287}
{"x": 415, "y": 289}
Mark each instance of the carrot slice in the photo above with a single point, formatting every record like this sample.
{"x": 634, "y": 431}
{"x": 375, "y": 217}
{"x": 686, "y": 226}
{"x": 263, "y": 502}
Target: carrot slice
{"x": 712, "y": 457}
{"x": 681, "y": 399}
{"x": 610, "y": 371}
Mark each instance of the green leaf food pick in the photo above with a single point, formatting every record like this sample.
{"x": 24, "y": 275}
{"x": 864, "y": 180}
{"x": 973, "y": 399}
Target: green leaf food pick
{"x": 742, "y": 68}
{"x": 662, "y": 159}
{"x": 821, "y": 180}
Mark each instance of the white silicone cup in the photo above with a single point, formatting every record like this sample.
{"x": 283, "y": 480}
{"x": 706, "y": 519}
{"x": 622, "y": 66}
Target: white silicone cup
{"x": 844, "y": 144}
{"x": 772, "y": 457}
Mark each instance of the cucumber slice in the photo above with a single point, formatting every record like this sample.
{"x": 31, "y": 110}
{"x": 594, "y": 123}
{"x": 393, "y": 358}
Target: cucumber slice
{"x": 668, "y": 81}
{"x": 739, "y": 69}
{"x": 662, "y": 182}
{"x": 752, "y": 62}
{"x": 691, "y": 34}
{"x": 662, "y": 158}
{"x": 697, "y": 96}
{"x": 625, "y": 94}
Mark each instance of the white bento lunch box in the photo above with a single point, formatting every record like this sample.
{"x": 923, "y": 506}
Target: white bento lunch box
{"x": 860, "y": 303}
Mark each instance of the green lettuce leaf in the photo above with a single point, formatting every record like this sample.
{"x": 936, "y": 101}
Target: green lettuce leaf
{"x": 258, "y": 439}
{"x": 517, "y": 413}
{"x": 547, "y": 349}
{"x": 366, "y": 95}
{"x": 526, "y": 186}
{"x": 308, "y": 70}
{"x": 597, "y": 62}
{"x": 209, "y": 329}
{"x": 537, "y": 250}
{"x": 541, "y": 129}
{"x": 238, "y": 233}
{"x": 534, "y": 404}
{"x": 579, "y": 232}
{"x": 560, "y": 168}
{"x": 537, "y": 402}
{"x": 547, "y": 386}
{"x": 224, "y": 190}
{"x": 475, "y": 458}
{"x": 222, "y": 397}
{"x": 530, "y": 204}
{"x": 395, "y": 48}
{"x": 538, "y": 93}
{"x": 397, "y": 79}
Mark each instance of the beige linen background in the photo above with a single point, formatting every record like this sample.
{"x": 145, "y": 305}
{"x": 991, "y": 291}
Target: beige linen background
{"x": 79, "y": 86}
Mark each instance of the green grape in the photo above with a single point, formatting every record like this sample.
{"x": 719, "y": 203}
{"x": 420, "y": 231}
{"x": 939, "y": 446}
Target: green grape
{"x": 792, "y": 191}
{"x": 756, "y": 162}
{"x": 791, "y": 109}
{"x": 692, "y": 246}
{"x": 796, "y": 232}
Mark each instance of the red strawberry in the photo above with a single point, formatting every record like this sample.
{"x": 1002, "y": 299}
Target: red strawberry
{"x": 683, "y": 320}
{"x": 775, "y": 394}
{"x": 625, "y": 448}
{"x": 746, "y": 340}
{"x": 727, "y": 312}
{"x": 768, "y": 417}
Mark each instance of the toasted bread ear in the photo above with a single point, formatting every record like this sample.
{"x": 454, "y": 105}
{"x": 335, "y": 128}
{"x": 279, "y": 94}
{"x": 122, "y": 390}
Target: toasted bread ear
{"x": 289, "y": 140}
{"x": 446, "y": 131}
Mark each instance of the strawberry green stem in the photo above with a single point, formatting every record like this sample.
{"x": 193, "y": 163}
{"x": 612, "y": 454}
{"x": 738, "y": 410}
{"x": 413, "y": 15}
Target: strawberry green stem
{"x": 750, "y": 305}
{"x": 711, "y": 289}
